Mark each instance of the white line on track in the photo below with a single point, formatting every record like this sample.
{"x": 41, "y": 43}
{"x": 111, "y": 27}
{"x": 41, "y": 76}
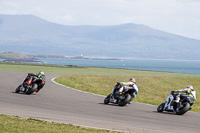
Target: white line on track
{"x": 53, "y": 80}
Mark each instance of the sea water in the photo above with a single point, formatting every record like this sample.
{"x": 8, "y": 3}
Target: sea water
{"x": 190, "y": 67}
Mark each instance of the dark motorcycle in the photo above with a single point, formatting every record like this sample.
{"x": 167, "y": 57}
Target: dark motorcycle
{"x": 179, "y": 108}
{"x": 122, "y": 99}
{"x": 31, "y": 84}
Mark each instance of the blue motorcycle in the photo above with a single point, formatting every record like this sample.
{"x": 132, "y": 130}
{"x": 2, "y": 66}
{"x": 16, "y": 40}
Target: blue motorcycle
{"x": 179, "y": 108}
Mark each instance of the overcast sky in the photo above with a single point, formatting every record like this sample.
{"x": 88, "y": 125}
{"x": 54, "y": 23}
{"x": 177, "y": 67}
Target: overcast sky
{"x": 181, "y": 17}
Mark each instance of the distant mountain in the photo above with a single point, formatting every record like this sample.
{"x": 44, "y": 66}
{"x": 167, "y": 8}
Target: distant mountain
{"x": 32, "y": 35}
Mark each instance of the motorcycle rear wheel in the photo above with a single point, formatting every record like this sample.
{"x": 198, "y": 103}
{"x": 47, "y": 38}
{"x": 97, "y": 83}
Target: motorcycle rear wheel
{"x": 125, "y": 101}
{"x": 184, "y": 109}
{"x": 31, "y": 90}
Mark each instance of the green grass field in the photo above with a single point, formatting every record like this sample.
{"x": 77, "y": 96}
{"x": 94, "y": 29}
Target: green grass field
{"x": 154, "y": 87}
{"x": 14, "y": 124}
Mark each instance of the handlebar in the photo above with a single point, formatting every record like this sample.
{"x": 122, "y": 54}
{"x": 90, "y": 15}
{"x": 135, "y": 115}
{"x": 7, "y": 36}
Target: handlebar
{"x": 174, "y": 92}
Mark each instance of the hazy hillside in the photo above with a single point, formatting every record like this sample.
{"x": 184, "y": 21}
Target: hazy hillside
{"x": 32, "y": 35}
{"x": 7, "y": 55}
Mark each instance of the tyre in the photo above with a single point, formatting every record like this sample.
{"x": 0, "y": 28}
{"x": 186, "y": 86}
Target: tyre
{"x": 161, "y": 107}
{"x": 31, "y": 90}
{"x": 107, "y": 99}
{"x": 17, "y": 90}
{"x": 184, "y": 109}
{"x": 125, "y": 101}
{"x": 132, "y": 97}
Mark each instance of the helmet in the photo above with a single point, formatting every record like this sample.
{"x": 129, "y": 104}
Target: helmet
{"x": 132, "y": 80}
{"x": 41, "y": 73}
{"x": 190, "y": 87}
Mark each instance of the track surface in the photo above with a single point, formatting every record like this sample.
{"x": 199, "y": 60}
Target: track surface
{"x": 61, "y": 104}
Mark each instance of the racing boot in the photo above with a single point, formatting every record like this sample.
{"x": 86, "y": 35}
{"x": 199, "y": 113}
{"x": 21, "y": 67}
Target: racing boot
{"x": 112, "y": 99}
{"x": 22, "y": 88}
{"x": 176, "y": 99}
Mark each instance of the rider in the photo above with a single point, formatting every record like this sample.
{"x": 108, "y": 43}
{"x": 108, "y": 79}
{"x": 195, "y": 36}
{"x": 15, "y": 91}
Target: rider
{"x": 125, "y": 85}
{"x": 189, "y": 92}
{"x": 30, "y": 76}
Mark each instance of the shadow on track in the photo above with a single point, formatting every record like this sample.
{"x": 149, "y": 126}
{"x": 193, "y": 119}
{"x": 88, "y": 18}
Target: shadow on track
{"x": 21, "y": 93}
{"x": 115, "y": 105}
{"x": 166, "y": 113}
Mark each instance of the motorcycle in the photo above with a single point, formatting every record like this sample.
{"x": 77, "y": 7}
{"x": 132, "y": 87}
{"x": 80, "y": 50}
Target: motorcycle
{"x": 179, "y": 108}
{"x": 30, "y": 85}
{"x": 122, "y": 98}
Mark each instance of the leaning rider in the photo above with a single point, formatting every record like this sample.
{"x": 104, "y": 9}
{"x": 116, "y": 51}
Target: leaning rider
{"x": 189, "y": 91}
{"x": 125, "y": 85}
{"x": 30, "y": 76}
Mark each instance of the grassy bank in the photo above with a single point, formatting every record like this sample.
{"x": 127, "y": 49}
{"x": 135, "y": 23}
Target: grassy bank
{"x": 14, "y": 124}
{"x": 77, "y": 70}
{"x": 152, "y": 89}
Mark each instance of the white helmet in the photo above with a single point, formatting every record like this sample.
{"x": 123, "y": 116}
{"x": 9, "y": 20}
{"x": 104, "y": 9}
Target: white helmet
{"x": 190, "y": 87}
{"x": 41, "y": 73}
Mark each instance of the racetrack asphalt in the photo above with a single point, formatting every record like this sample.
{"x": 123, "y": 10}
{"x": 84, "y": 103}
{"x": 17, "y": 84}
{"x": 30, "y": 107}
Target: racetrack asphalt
{"x": 66, "y": 105}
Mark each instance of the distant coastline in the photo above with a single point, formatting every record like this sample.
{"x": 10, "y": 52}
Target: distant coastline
{"x": 23, "y": 58}
{"x": 167, "y": 65}
{"x": 27, "y": 58}
{"x": 73, "y": 57}
{"x": 34, "y": 61}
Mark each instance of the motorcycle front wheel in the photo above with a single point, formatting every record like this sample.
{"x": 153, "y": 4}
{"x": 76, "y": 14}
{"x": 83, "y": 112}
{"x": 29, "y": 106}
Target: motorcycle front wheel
{"x": 107, "y": 99}
{"x": 161, "y": 107}
{"x": 17, "y": 90}
{"x": 125, "y": 101}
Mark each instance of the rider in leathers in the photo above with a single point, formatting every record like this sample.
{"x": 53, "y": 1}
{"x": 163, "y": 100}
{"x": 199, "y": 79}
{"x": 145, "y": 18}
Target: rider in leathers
{"x": 129, "y": 85}
{"x": 189, "y": 92}
{"x": 30, "y": 76}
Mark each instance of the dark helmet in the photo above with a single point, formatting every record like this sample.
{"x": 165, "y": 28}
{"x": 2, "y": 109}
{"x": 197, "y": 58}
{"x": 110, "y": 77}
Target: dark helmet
{"x": 131, "y": 80}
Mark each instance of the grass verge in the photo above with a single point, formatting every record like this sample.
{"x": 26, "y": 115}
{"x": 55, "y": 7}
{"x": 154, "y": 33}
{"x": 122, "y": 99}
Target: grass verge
{"x": 152, "y": 89}
{"x": 15, "y": 124}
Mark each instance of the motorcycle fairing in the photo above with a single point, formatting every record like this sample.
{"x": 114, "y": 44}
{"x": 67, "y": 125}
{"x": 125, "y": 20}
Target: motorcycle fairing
{"x": 168, "y": 103}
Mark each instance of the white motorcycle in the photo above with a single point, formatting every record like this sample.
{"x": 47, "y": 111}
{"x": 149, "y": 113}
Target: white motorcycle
{"x": 181, "y": 107}
{"x": 122, "y": 99}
